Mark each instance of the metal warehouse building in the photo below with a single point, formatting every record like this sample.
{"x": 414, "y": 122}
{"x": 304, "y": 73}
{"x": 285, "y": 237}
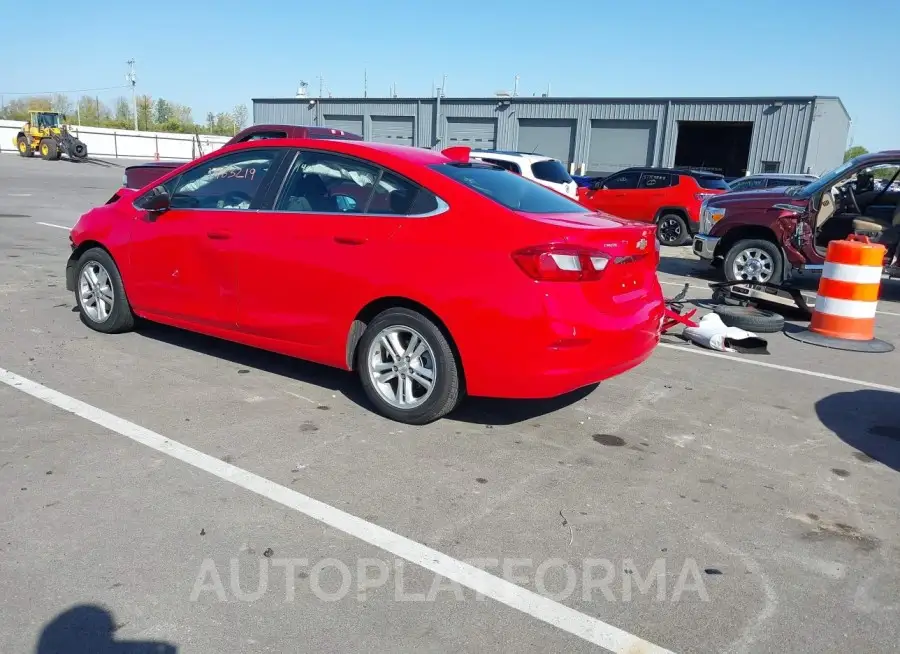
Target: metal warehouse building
{"x": 732, "y": 136}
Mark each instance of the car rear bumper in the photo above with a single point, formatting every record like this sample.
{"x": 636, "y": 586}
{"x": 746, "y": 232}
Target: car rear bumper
{"x": 705, "y": 246}
{"x": 576, "y": 355}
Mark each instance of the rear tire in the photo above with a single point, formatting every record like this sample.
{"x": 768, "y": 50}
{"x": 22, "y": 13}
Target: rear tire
{"x": 24, "y": 149}
{"x": 97, "y": 281}
{"x": 383, "y": 371}
{"x": 672, "y": 230}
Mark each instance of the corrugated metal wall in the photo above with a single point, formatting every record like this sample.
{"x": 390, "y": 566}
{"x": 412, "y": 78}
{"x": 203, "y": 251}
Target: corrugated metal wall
{"x": 781, "y": 128}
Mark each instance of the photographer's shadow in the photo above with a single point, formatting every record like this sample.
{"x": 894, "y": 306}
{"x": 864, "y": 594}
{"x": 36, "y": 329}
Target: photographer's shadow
{"x": 89, "y": 629}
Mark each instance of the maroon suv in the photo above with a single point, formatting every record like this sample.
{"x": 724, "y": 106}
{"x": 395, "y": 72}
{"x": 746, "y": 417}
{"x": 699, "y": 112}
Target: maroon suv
{"x": 139, "y": 175}
{"x": 765, "y": 235}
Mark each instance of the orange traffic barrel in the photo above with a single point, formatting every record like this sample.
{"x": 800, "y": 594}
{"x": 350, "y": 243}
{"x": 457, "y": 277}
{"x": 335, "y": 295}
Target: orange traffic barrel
{"x": 844, "y": 314}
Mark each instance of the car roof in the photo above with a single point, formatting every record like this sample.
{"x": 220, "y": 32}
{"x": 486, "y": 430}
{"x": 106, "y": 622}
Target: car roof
{"x": 778, "y": 176}
{"x": 509, "y": 155}
{"x": 674, "y": 171}
{"x": 405, "y": 153}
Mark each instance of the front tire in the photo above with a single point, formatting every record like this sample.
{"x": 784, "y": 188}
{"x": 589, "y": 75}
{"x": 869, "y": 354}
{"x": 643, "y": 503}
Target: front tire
{"x": 100, "y": 294}
{"x": 754, "y": 260}
{"x": 408, "y": 368}
{"x": 49, "y": 150}
{"x": 672, "y": 230}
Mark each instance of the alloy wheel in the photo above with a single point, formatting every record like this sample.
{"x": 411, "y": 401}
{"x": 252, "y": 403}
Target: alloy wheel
{"x": 96, "y": 292}
{"x": 402, "y": 367}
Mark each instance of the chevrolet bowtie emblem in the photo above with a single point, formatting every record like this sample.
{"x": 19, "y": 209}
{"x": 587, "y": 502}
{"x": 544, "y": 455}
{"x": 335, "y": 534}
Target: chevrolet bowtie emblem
{"x": 642, "y": 244}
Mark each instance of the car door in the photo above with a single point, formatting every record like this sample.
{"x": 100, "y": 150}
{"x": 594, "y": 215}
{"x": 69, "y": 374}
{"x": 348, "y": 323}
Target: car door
{"x": 312, "y": 261}
{"x": 613, "y": 196}
{"x": 182, "y": 259}
{"x": 650, "y": 196}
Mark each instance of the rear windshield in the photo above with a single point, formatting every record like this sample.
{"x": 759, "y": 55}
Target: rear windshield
{"x": 511, "y": 191}
{"x": 551, "y": 171}
{"x": 715, "y": 183}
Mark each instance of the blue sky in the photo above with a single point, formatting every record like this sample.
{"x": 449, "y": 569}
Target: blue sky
{"x": 213, "y": 55}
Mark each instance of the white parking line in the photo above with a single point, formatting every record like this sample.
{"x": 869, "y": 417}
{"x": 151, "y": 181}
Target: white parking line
{"x": 68, "y": 229}
{"x": 801, "y": 371}
{"x": 569, "y": 620}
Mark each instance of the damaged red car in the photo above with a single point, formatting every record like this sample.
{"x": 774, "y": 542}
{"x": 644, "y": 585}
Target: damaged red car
{"x": 430, "y": 276}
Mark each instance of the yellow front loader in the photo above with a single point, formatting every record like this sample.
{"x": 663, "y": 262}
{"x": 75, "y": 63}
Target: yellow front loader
{"x": 46, "y": 134}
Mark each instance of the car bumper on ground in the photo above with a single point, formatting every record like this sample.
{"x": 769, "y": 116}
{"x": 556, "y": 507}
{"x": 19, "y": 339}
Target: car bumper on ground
{"x": 705, "y": 246}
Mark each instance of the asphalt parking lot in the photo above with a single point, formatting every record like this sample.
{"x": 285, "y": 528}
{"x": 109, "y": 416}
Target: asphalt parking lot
{"x": 170, "y": 489}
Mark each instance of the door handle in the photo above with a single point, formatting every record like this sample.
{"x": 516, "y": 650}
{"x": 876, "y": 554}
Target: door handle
{"x": 218, "y": 236}
{"x": 349, "y": 240}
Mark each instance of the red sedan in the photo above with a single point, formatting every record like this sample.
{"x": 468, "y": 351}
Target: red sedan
{"x": 431, "y": 276}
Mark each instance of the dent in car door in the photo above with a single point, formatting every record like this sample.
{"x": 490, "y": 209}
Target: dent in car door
{"x": 311, "y": 263}
{"x": 182, "y": 259}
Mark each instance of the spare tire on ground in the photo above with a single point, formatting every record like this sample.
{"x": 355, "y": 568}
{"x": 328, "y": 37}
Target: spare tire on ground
{"x": 752, "y": 319}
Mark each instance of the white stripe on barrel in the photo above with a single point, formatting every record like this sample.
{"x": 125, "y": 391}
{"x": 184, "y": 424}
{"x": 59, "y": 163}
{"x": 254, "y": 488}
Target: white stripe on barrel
{"x": 844, "y": 272}
{"x": 845, "y": 308}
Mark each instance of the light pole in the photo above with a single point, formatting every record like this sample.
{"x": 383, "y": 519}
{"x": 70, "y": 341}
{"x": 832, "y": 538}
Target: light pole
{"x": 131, "y": 78}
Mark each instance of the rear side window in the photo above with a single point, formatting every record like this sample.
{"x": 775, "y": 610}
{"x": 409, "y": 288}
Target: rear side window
{"x": 655, "y": 180}
{"x": 622, "y": 181}
{"x": 779, "y": 181}
{"x": 259, "y": 136}
{"x": 550, "y": 171}
{"x": 510, "y": 191}
{"x": 747, "y": 184}
{"x": 713, "y": 183}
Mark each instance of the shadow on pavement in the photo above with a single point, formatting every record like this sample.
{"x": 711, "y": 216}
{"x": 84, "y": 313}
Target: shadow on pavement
{"x": 472, "y": 410}
{"x": 90, "y": 629}
{"x": 867, "y": 420}
{"x": 96, "y": 162}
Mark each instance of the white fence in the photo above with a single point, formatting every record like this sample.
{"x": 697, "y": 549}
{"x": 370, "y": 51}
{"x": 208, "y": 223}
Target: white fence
{"x": 127, "y": 144}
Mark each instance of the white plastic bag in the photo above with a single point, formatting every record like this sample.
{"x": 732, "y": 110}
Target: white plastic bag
{"x": 714, "y": 334}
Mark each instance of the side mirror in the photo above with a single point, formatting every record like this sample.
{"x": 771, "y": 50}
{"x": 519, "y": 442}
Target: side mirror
{"x": 158, "y": 202}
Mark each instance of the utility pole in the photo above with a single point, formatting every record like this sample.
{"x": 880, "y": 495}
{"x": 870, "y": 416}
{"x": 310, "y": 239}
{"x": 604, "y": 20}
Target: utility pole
{"x": 321, "y": 86}
{"x": 516, "y": 86}
{"x": 444, "y": 85}
{"x": 131, "y": 78}
{"x": 365, "y": 83}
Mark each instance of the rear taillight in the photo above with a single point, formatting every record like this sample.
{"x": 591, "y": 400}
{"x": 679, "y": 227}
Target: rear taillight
{"x": 702, "y": 196}
{"x": 561, "y": 263}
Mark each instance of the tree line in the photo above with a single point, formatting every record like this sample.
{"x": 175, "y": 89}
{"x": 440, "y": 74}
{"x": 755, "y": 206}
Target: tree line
{"x": 159, "y": 115}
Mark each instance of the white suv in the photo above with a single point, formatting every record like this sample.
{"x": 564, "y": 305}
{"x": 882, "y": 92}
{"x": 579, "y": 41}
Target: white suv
{"x": 543, "y": 170}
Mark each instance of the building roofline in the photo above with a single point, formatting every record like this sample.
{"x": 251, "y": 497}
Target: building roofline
{"x": 556, "y": 99}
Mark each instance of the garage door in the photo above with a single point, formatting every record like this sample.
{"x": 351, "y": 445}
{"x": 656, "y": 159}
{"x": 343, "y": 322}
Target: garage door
{"x": 475, "y": 133}
{"x": 353, "y": 124}
{"x": 618, "y": 144}
{"x": 393, "y": 129}
{"x": 551, "y": 138}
